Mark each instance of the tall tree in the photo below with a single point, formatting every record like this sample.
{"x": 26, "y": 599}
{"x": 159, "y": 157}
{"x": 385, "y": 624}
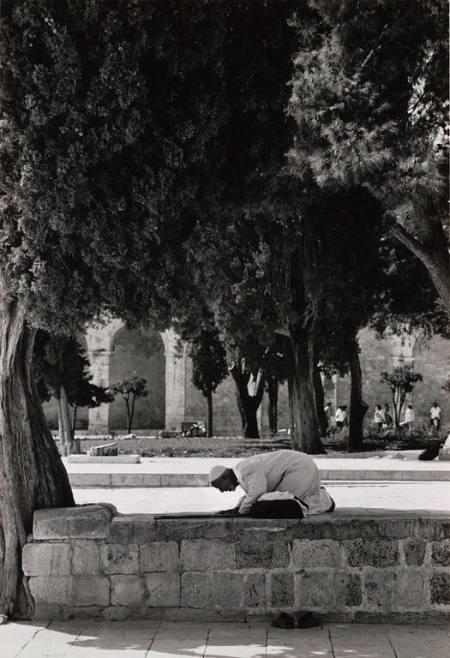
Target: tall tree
{"x": 209, "y": 367}
{"x": 369, "y": 99}
{"x": 122, "y": 129}
{"x": 102, "y": 171}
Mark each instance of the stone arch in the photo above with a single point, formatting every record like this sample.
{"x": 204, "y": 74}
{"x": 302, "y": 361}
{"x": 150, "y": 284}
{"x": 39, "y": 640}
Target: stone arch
{"x": 138, "y": 352}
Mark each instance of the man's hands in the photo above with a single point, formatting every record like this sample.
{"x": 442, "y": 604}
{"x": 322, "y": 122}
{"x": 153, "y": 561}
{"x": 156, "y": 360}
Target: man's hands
{"x": 234, "y": 511}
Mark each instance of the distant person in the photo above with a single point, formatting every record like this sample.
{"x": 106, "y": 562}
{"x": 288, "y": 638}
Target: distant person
{"x": 379, "y": 418}
{"x": 340, "y": 417}
{"x": 435, "y": 416}
{"x": 409, "y": 418}
{"x": 388, "y": 420}
{"x": 283, "y": 471}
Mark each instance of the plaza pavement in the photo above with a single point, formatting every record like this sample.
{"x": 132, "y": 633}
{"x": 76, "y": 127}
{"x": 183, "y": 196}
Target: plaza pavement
{"x": 147, "y": 639}
{"x": 193, "y": 471}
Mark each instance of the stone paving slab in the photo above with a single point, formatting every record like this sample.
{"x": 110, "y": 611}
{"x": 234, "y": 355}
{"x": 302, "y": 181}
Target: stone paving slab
{"x": 143, "y": 639}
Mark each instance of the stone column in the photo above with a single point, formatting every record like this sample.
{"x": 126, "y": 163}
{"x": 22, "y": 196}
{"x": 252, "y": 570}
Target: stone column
{"x": 175, "y": 381}
{"x": 99, "y": 344}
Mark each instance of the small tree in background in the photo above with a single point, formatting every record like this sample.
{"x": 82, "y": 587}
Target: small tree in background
{"x": 209, "y": 367}
{"x": 61, "y": 370}
{"x": 129, "y": 390}
{"x": 401, "y": 381}
{"x": 87, "y": 394}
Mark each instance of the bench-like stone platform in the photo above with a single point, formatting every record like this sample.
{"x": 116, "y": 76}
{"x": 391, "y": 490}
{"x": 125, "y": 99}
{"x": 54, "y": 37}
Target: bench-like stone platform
{"x": 193, "y": 472}
{"x": 354, "y": 565}
{"x": 100, "y": 459}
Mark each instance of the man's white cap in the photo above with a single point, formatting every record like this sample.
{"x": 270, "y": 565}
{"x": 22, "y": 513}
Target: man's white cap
{"x": 216, "y": 472}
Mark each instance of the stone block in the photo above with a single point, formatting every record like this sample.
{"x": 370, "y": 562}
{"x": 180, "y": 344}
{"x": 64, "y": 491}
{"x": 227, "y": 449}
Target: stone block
{"x": 86, "y": 558}
{"x": 106, "y": 450}
{"x": 440, "y": 588}
{"x": 440, "y": 552}
{"x": 255, "y": 590}
{"x": 314, "y": 590}
{"x": 51, "y": 590}
{"x": 119, "y": 558}
{"x": 414, "y": 550}
{"x": 196, "y": 590}
{"x": 316, "y": 553}
{"x": 90, "y": 590}
{"x": 47, "y": 559}
{"x": 84, "y": 522}
{"x": 347, "y": 590}
{"x": 43, "y": 611}
{"x": 380, "y": 586}
{"x": 227, "y": 589}
{"x": 282, "y": 589}
{"x": 206, "y": 555}
{"x": 163, "y": 589}
{"x": 159, "y": 556}
{"x": 411, "y": 591}
{"x": 127, "y": 590}
{"x": 378, "y": 553}
{"x": 132, "y": 529}
{"x": 263, "y": 555}
{"x": 116, "y": 613}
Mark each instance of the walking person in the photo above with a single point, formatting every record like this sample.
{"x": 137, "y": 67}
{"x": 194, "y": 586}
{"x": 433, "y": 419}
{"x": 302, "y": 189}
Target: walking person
{"x": 388, "y": 420}
{"x": 379, "y": 418}
{"x": 410, "y": 417}
{"x": 435, "y": 416}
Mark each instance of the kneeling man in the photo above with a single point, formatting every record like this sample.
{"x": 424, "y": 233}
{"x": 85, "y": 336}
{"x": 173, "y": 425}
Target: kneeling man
{"x": 286, "y": 471}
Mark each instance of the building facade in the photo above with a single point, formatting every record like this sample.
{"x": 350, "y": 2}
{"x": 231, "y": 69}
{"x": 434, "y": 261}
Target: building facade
{"x": 116, "y": 353}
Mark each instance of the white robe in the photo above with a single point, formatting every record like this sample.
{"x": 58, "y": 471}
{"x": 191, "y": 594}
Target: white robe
{"x": 282, "y": 470}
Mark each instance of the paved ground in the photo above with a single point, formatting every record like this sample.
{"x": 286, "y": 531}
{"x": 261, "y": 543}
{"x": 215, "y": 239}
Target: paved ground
{"x": 86, "y": 639}
{"x": 193, "y": 471}
{"x": 429, "y": 496}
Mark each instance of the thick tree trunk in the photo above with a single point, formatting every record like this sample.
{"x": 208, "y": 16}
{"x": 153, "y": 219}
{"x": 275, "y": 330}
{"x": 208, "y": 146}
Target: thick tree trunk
{"x": 248, "y": 404}
{"x": 272, "y": 405}
{"x": 358, "y": 407}
{"x": 320, "y": 401}
{"x": 210, "y": 427}
{"x": 306, "y": 431}
{"x": 32, "y": 475}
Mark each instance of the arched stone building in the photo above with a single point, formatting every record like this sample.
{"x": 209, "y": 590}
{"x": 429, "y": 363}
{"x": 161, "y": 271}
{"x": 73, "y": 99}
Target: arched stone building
{"x": 115, "y": 353}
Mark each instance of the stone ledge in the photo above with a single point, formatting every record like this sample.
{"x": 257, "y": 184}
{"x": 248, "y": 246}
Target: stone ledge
{"x": 349, "y": 565}
{"x": 84, "y": 522}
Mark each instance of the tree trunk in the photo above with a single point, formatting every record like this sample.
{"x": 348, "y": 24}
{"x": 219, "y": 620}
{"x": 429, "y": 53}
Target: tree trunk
{"x": 74, "y": 419}
{"x": 358, "y": 407}
{"x": 32, "y": 475}
{"x": 248, "y": 404}
{"x": 272, "y": 405}
{"x": 65, "y": 418}
{"x": 209, "y": 400}
{"x": 306, "y": 430}
{"x": 320, "y": 401}
{"x": 433, "y": 254}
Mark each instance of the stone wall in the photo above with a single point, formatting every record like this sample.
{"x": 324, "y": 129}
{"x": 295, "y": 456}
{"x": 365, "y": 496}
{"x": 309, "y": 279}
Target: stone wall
{"x": 349, "y": 566}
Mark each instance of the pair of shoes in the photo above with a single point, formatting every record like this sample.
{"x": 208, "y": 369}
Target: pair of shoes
{"x": 303, "y": 620}
{"x": 308, "y": 620}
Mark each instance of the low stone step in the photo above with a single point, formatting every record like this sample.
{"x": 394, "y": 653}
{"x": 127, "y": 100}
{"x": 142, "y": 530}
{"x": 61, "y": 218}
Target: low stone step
{"x": 100, "y": 459}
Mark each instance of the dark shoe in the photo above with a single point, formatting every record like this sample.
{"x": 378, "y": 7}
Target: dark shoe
{"x": 283, "y": 621}
{"x": 308, "y": 620}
